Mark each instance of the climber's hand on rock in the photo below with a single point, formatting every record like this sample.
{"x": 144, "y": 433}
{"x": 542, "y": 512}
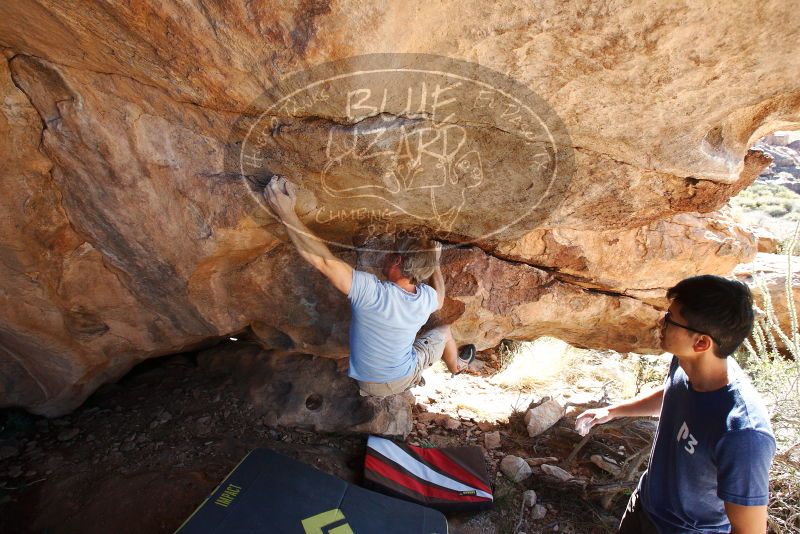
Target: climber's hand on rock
{"x": 596, "y": 416}
{"x": 437, "y": 248}
{"x": 281, "y": 196}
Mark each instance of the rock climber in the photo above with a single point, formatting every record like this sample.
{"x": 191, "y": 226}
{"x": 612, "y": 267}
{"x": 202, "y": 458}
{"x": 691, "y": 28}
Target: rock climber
{"x": 386, "y": 357}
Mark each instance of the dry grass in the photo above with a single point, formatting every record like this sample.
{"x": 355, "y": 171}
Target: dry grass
{"x": 773, "y": 362}
{"x": 784, "y": 502}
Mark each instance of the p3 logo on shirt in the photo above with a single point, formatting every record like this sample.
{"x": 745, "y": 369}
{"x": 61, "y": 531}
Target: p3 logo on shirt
{"x": 683, "y": 434}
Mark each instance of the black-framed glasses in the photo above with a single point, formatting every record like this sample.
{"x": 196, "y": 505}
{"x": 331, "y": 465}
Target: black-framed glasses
{"x": 668, "y": 320}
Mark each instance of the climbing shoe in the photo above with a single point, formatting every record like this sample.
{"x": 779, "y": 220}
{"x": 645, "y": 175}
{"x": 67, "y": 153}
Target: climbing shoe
{"x": 466, "y": 355}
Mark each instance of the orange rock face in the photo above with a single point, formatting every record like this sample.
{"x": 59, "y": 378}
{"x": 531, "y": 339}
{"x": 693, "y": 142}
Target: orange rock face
{"x": 569, "y": 151}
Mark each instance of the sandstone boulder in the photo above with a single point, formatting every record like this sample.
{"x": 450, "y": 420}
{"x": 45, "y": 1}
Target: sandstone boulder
{"x": 611, "y": 260}
{"x": 128, "y": 232}
{"x": 307, "y": 392}
{"x": 767, "y": 241}
{"x": 490, "y": 300}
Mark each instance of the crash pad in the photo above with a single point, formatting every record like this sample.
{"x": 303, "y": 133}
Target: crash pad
{"x": 270, "y": 492}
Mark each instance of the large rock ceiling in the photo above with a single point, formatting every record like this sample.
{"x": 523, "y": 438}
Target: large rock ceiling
{"x": 125, "y": 232}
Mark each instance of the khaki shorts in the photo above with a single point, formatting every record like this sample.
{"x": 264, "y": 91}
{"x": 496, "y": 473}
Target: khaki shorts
{"x": 429, "y": 348}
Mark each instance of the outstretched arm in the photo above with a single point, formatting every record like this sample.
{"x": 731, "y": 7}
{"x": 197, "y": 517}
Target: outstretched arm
{"x": 281, "y": 197}
{"x": 645, "y": 405}
{"x": 437, "y": 280}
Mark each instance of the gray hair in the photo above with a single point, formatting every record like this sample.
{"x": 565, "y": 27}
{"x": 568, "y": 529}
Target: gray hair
{"x": 417, "y": 257}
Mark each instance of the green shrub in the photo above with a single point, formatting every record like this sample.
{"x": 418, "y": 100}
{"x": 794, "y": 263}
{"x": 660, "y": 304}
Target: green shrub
{"x": 773, "y": 199}
{"x": 776, "y": 211}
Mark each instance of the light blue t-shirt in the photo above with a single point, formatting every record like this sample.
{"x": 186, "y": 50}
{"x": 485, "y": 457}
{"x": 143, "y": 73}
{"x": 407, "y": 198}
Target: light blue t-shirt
{"x": 710, "y": 447}
{"x": 385, "y": 322}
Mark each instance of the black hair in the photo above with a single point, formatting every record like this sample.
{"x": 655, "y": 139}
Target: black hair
{"x": 719, "y": 307}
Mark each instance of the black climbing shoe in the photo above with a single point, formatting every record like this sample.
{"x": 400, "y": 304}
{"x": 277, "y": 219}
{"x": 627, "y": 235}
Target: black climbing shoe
{"x": 466, "y": 355}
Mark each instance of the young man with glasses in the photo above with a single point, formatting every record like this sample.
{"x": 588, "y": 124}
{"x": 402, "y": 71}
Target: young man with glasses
{"x": 709, "y": 467}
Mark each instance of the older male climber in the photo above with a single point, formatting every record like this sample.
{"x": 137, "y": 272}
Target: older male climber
{"x": 709, "y": 467}
{"x": 385, "y": 356}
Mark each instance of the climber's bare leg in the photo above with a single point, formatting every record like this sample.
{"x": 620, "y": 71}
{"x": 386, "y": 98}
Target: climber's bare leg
{"x": 450, "y": 354}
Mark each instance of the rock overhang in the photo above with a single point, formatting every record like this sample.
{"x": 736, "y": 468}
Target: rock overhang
{"x": 128, "y": 237}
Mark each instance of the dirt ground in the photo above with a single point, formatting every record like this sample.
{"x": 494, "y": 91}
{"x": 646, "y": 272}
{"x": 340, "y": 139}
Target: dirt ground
{"x": 140, "y": 455}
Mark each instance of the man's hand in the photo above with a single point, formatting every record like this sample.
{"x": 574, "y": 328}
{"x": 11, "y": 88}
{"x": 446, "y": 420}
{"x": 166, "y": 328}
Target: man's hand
{"x": 437, "y": 248}
{"x": 596, "y": 416}
{"x": 647, "y": 404}
{"x": 281, "y": 195}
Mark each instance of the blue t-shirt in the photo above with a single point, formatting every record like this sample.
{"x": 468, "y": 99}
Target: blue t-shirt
{"x": 710, "y": 447}
{"x": 385, "y": 321}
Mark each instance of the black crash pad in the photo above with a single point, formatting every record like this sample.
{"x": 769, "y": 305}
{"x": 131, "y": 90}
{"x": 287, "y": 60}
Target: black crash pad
{"x": 269, "y": 492}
